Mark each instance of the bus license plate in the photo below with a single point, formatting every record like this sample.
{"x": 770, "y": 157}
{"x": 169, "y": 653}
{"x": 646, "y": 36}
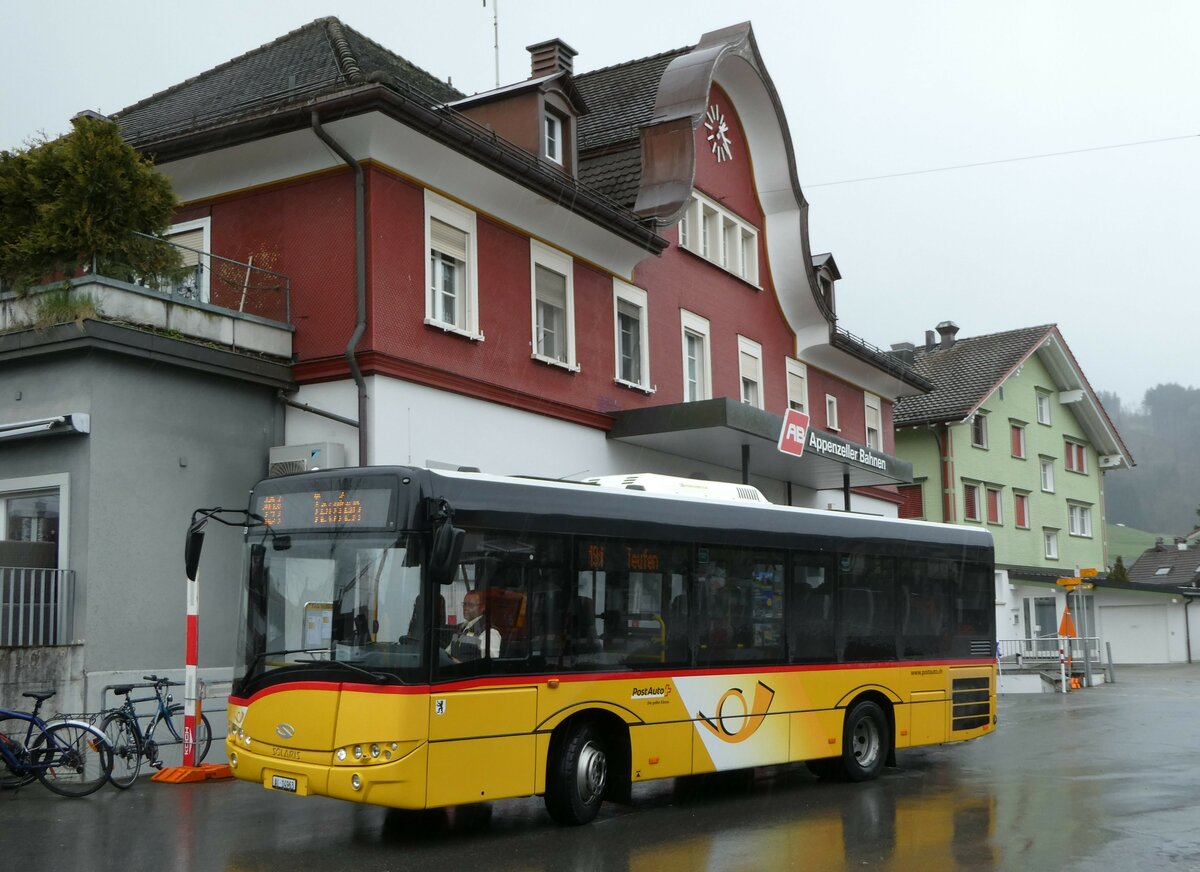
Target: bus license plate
{"x": 280, "y": 782}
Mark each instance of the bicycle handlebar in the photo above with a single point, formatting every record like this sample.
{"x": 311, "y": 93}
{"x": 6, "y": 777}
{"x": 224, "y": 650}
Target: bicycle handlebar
{"x": 165, "y": 682}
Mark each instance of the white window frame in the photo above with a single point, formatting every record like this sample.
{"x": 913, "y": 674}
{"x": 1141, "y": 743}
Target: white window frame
{"x": 552, "y": 136}
{"x": 1046, "y": 474}
{"x": 872, "y": 403}
{"x": 459, "y": 217}
{"x": 16, "y": 487}
{"x": 1079, "y": 520}
{"x": 980, "y": 510}
{"x": 1050, "y": 543}
{"x": 979, "y": 430}
{"x": 1042, "y": 400}
{"x": 204, "y": 225}
{"x": 636, "y": 297}
{"x": 831, "y": 412}
{"x": 691, "y": 324}
{"x": 549, "y": 258}
{"x": 721, "y": 237}
{"x": 1021, "y": 498}
{"x": 749, "y": 348}
{"x": 797, "y": 371}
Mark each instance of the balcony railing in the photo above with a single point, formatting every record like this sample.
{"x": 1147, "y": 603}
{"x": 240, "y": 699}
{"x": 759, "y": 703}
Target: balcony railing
{"x": 37, "y": 606}
{"x": 216, "y": 280}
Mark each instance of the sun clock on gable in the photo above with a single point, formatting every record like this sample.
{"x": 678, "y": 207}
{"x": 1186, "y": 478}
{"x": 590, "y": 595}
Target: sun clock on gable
{"x": 718, "y": 134}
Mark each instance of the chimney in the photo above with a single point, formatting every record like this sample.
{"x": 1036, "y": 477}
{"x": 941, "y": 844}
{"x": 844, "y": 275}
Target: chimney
{"x": 905, "y": 352}
{"x": 1158, "y": 544}
{"x": 947, "y": 330}
{"x": 930, "y": 342}
{"x": 1180, "y": 543}
{"x": 550, "y": 57}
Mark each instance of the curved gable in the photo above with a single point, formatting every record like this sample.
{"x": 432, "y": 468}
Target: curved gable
{"x": 729, "y": 58}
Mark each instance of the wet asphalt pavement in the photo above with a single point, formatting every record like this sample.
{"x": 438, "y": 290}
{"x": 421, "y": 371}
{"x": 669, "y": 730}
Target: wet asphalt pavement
{"x": 1103, "y": 779}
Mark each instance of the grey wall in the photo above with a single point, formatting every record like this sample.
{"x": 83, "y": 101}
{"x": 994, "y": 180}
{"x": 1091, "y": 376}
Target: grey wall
{"x": 164, "y": 441}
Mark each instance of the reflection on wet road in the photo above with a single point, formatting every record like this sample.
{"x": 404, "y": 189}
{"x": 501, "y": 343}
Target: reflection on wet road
{"x": 1099, "y": 779}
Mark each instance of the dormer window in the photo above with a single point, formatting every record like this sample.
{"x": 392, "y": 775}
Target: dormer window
{"x": 553, "y": 130}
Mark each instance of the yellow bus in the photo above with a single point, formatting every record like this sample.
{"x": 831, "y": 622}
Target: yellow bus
{"x": 416, "y": 638}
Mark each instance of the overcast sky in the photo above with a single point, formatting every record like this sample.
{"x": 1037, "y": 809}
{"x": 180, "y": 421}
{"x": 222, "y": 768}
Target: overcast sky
{"x": 1101, "y": 240}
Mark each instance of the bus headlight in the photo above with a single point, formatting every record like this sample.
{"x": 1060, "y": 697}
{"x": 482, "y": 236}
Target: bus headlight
{"x": 355, "y": 781}
{"x": 374, "y": 750}
{"x": 341, "y": 754}
{"x": 358, "y": 752}
{"x": 233, "y": 760}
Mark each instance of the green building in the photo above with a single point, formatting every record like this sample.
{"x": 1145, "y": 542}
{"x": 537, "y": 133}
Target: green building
{"x": 1013, "y": 439}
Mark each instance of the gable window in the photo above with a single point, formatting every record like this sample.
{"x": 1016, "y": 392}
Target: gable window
{"x": 632, "y": 340}
{"x": 451, "y": 276}
{"x": 993, "y": 506}
{"x": 554, "y": 143}
{"x": 718, "y": 235}
{"x": 1018, "y": 440}
{"x": 979, "y": 430}
{"x": 553, "y": 306}
{"x": 1079, "y": 520}
{"x": 697, "y": 370}
{"x": 874, "y": 422}
{"x": 1021, "y": 511}
{"x": 1047, "y": 473}
{"x": 971, "y": 502}
{"x": 193, "y": 241}
{"x": 1050, "y": 543}
{"x": 797, "y": 384}
{"x": 1043, "y": 408}
{"x": 831, "y": 412}
{"x": 750, "y": 371}
{"x": 1076, "y": 457}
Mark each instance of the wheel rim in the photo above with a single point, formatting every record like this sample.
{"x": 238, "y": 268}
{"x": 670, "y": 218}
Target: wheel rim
{"x": 867, "y": 743}
{"x": 591, "y": 774}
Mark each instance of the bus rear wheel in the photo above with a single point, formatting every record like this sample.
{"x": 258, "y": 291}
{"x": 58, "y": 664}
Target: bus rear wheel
{"x": 578, "y": 775}
{"x": 866, "y": 742}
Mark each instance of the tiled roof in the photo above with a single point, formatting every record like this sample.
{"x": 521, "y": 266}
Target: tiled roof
{"x": 964, "y": 374}
{"x": 616, "y": 174}
{"x": 319, "y": 57}
{"x": 1183, "y": 566}
{"x": 620, "y": 99}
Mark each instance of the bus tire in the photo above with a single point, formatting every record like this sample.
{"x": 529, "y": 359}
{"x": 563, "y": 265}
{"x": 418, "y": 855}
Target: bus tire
{"x": 577, "y": 774}
{"x": 866, "y": 742}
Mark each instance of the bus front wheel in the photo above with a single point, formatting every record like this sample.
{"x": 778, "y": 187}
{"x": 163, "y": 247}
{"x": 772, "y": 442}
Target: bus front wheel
{"x": 866, "y": 742}
{"x": 577, "y": 775}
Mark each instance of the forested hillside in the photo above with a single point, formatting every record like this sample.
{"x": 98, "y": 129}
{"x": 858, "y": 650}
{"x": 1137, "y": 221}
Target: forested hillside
{"x": 1163, "y": 491}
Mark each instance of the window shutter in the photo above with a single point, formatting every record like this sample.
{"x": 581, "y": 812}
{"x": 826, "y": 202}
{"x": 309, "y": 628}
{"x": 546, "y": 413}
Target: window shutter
{"x": 193, "y": 239}
{"x": 1020, "y": 503}
{"x": 913, "y": 505}
{"x": 993, "y": 505}
{"x": 448, "y": 240}
{"x": 551, "y": 287}
{"x": 970, "y": 502}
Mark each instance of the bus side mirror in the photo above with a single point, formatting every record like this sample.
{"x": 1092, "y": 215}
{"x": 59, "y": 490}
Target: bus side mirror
{"x": 191, "y": 552}
{"x": 444, "y": 552}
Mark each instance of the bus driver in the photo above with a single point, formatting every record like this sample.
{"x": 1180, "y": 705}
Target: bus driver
{"x": 470, "y": 639}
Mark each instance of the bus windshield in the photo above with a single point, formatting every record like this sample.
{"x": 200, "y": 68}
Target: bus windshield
{"x": 335, "y": 606}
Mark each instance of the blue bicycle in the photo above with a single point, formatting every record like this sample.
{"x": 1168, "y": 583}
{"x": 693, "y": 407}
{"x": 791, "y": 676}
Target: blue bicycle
{"x": 130, "y": 743}
{"x": 70, "y": 757}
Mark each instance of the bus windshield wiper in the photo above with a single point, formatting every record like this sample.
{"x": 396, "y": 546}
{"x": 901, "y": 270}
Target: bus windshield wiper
{"x": 261, "y": 654}
{"x": 378, "y": 676}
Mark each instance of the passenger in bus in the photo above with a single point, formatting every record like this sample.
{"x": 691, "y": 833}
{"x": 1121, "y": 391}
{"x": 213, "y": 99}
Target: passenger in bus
{"x": 472, "y": 638}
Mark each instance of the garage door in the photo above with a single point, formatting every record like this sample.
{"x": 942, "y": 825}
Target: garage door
{"x": 1137, "y": 634}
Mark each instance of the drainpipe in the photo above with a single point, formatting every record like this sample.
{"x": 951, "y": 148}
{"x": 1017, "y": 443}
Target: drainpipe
{"x": 942, "y": 437}
{"x": 360, "y": 270}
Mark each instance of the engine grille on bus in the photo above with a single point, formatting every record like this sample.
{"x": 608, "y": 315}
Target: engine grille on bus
{"x": 970, "y": 701}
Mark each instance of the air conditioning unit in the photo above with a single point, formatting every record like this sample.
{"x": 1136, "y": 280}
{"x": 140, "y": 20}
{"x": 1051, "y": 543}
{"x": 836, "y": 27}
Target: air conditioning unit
{"x": 288, "y": 459}
{"x": 690, "y": 487}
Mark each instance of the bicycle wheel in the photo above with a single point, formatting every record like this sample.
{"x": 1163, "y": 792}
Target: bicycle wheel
{"x": 126, "y": 745}
{"x": 72, "y": 759}
{"x": 203, "y": 731}
{"x": 12, "y": 732}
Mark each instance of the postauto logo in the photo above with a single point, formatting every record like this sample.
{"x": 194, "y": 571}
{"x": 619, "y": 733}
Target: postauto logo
{"x": 748, "y": 716}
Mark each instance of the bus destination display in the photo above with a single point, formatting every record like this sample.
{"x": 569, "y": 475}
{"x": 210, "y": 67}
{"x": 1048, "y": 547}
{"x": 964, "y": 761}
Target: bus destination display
{"x": 331, "y": 509}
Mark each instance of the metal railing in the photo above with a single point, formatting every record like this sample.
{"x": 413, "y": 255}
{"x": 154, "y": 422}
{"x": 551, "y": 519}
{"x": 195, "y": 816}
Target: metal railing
{"x": 37, "y": 606}
{"x": 1040, "y": 652}
{"x": 219, "y": 281}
